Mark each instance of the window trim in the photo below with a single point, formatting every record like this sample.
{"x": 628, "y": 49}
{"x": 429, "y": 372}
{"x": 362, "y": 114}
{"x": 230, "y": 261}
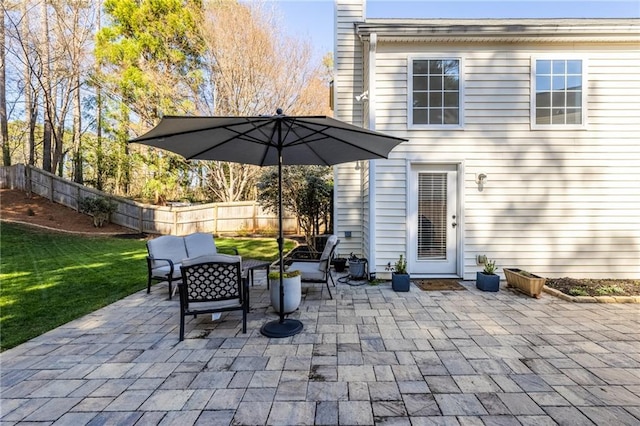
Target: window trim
{"x": 533, "y": 100}
{"x": 461, "y": 79}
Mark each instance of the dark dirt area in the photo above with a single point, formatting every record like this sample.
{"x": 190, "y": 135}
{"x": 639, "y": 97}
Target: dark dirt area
{"x": 16, "y": 206}
{"x": 595, "y": 287}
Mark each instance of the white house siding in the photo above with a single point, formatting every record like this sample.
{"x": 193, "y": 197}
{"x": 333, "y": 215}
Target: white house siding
{"x": 349, "y": 213}
{"x": 556, "y": 202}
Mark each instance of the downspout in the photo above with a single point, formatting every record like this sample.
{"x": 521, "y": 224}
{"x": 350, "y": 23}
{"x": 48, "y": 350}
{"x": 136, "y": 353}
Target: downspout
{"x": 371, "y": 256}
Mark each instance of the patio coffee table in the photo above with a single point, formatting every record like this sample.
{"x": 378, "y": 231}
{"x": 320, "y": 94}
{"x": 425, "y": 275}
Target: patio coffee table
{"x": 250, "y": 265}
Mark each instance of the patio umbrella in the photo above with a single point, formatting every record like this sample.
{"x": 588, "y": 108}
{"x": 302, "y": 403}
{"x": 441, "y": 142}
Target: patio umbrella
{"x": 270, "y": 141}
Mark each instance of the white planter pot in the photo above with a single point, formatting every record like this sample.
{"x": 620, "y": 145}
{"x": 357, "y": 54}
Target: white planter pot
{"x": 292, "y": 294}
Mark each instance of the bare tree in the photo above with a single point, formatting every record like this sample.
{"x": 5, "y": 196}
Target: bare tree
{"x": 45, "y": 84}
{"x": 20, "y": 47}
{"x": 4, "y": 126}
{"x": 52, "y": 47}
{"x": 74, "y": 30}
{"x": 253, "y": 69}
{"x": 100, "y": 172}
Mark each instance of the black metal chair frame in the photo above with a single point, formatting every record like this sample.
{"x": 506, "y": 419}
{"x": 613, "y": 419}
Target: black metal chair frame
{"x": 159, "y": 278}
{"x": 207, "y": 282}
{"x": 327, "y": 271}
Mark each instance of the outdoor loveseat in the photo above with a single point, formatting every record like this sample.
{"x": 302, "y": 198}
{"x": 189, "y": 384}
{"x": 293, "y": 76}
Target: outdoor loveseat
{"x": 166, "y": 253}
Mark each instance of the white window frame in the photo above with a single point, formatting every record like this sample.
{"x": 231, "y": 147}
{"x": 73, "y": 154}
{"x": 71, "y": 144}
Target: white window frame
{"x": 585, "y": 80}
{"x": 461, "y": 77}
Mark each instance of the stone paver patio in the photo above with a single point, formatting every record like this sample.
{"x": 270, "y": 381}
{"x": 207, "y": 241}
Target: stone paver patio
{"x": 369, "y": 356}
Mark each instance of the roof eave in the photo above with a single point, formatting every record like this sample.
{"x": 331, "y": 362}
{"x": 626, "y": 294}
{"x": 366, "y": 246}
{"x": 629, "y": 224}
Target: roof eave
{"x": 550, "y": 30}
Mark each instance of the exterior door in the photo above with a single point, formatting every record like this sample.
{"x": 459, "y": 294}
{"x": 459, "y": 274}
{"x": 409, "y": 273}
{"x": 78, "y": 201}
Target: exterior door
{"x": 433, "y": 236}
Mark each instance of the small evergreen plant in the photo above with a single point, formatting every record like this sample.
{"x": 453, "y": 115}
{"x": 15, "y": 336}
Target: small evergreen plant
{"x": 490, "y": 267}
{"x": 401, "y": 266}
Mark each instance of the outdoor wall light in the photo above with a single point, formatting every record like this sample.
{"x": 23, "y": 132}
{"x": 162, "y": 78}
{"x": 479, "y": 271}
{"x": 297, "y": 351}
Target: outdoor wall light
{"x": 480, "y": 180}
{"x": 364, "y": 96}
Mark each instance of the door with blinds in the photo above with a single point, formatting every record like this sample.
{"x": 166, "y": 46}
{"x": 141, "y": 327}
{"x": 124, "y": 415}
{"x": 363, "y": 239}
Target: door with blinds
{"x": 433, "y": 237}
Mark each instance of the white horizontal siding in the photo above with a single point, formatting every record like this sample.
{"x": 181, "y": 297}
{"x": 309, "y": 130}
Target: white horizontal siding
{"x": 556, "y": 202}
{"x": 349, "y": 212}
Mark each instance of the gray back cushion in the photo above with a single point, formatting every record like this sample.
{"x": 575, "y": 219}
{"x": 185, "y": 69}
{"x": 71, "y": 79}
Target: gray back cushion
{"x": 324, "y": 257}
{"x": 331, "y": 241}
{"x": 200, "y": 244}
{"x": 167, "y": 247}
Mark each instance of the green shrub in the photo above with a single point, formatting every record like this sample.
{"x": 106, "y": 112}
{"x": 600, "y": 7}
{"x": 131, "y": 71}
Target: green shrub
{"x": 98, "y": 207}
{"x": 577, "y": 291}
{"x": 609, "y": 289}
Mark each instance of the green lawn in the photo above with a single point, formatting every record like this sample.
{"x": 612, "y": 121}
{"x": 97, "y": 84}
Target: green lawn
{"x": 50, "y": 279}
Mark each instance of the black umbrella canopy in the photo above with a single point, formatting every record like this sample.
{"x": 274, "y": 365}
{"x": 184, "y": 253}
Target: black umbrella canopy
{"x": 269, "y": 141}
{"x": 304, "y": 140}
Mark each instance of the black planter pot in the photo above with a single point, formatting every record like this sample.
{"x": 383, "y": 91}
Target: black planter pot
{"x": 339, "y": 264}
{"x": 487, "y": 282}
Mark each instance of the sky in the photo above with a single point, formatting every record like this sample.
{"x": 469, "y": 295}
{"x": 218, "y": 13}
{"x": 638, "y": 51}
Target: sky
{"x": 313, "y": 19}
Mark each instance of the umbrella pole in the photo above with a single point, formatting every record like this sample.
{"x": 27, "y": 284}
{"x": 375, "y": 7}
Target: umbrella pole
{"x": 283, "y": 327}
{"x": 281, "y": 237}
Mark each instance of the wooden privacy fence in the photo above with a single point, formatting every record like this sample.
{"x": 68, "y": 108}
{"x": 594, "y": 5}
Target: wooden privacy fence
{"x": 217, "y": 218}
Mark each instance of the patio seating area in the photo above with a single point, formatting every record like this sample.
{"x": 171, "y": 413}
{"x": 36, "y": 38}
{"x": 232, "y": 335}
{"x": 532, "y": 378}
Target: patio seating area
{"x": 367, "y": 356}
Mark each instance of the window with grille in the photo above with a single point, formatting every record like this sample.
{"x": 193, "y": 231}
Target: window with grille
{"x": 432, "y": 216}
{"x": 435, "y": 92}
{"x": 558, "y": 92}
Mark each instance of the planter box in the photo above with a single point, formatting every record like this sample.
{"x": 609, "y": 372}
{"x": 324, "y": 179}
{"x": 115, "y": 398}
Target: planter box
{"x": 486, "y": 282}
{"x": 400, "y": 282}
{"x": 529, "y": 284}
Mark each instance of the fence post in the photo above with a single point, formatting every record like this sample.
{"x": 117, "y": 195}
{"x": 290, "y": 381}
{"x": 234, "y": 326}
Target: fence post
{"x": 140, "y": 219}
{"x": 51, "y": 187}
{"x": 255, "y": 217}
{"x": 78, "y": 199}
{"x": 215, "y": 219}
{"x": 175, "y": 222}
{"x": 27, "y": 178}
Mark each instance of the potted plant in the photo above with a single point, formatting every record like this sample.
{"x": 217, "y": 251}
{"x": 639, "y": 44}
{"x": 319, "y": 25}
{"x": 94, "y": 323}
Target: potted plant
{"x": 524, "y": 281}
{"x": 292, "y": 290}
{"x": 400, "y": 279}
{"x": 487, "y": 279}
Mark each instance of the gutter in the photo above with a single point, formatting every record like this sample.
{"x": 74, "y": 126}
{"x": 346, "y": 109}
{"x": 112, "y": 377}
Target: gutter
{"x": 557, "y": 30}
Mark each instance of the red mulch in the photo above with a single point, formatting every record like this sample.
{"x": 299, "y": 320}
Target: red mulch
{"x": 15, "y": 206}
